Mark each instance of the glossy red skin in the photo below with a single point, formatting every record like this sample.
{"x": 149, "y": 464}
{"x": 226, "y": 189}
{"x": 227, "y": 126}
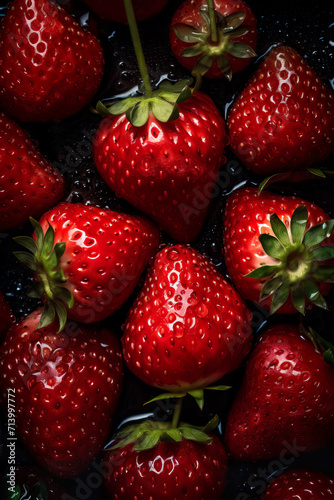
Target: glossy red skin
{"x": 106, "y": 253}
{"x": 188, "y": 327}
{"x": 29, "y": 185}
{"x": 168, "y": 471}
{"x": 165, "y": 169}
{"x": 67, "y": 386}
{"x": 285, "y": 401}
{"x": 6, "y": 317}
{"x": 115, "y": 11}
{"x": 300, "y": 485}
{"x": 284, "y": 119}
{"x": 189, "y": 13}
{"x": 52, "y": 68}
{"x": 246, "y": 216}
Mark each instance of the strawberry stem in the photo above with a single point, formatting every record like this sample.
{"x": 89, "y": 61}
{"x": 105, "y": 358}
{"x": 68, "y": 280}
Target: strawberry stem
{"x": 177, "y": 413}
{"x": 138, "y": 46}
{"x": 213, "y": 25}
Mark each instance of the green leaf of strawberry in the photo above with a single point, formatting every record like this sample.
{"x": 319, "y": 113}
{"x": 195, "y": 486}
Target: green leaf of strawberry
{"x": 298, "y": 260}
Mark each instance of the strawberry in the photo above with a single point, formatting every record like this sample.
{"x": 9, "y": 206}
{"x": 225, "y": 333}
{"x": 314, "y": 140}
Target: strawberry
{"x": 29, "y": 185}
{"x": 66, "y": 386}
{"x": 171, "y": 470}
{"x": 114, "y": 11}
{"x": 88, "y": 260}
{"x": 165, "y": 168}
{"x": 6, "y": 317}
{"x": 188, "y": 327}
{"x": 214, "y": 49}
{"x": 284, "y": 400}
{"x": 274, "y": 246}
{"x": 283, "y": 121}
{"x": 300, "y": 484}
{"x": 51, "y": 68}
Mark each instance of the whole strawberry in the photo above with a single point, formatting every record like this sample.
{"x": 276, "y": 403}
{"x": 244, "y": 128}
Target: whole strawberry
{"x": 170, "y": 470}
{"x": 6, "y": 317}
{"x": 115, "y": 11}
{"x": 285, "y": 401}
{"x": 87, "y": 260}
{"x": 213, "y": 50}
{"x": 283, "y": 120}
{"x": 29, "y": 185}
{"x": 166, "y": 169}
{"x": 51, "y": 67}
{"x": 276, "y": 248}
{"x": 66, "y": 388}
{"x": 302, "y": 485}
{"x": 188, "y": 327}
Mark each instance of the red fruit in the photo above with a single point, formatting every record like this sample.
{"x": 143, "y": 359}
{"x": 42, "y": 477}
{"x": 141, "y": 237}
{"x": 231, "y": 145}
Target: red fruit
{"x": 98, "y": 257}
{"x": 67, "y": 387}
{"x": 191, "y": 37}
{"x": 248, "y": 220}
{"x": 285, "y": 402}
{"x": 115, "y": 11}
{"x": 51, "y": 67}
{"x": 300, "y": 485}
{"x": 284, "y": 119}
{"x": 188, "y": 327}
{"x": 187, "y": 469}
{"x": 6, "y": 317}
{"x": 165, "y": 169}
{"x": 29, "y": 185}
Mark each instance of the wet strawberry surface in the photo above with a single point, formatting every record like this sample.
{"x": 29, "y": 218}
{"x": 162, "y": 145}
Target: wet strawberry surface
{"x": 68, "y": 145}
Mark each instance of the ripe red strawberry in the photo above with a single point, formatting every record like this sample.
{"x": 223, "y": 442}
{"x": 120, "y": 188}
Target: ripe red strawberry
{"x": 115, "y": 11}
{"x": 213, "y": 51}
{"x": 6, "y": 317}
{"x": 51, "y": 68}
{"x": 284, "y": 119}
{"x": 170, "y": 470}
{"x": 285, "y": 400}
{"x": 29, "y": 185}
{"x": 88, "y": 260}
{"x": 302, "y": 485}
{"x": 165, "y": 169}
{"x": 188, "y": 327}
{"x": 67, "y": 386}
{"x": 275, "y": 260}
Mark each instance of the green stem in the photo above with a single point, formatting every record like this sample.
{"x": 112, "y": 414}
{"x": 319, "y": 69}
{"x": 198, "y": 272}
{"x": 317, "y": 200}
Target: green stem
{"x": 138, "y": 46}
{"x": 213, "y": 26}
{"x": 177, "y": 413}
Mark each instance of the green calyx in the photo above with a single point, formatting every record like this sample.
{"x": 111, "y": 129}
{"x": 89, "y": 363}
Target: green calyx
{"x": 197, "y": 394}
{"x": 162, "y": 103}
{"x": 43, "y": 257}
{"x": 148, "y": 434}
{"x": 299, "y": 258}
{"x": 214, "y": 41}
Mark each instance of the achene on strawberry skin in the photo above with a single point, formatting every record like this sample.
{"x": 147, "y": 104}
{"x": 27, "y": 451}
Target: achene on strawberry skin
{"x": 67, "y": 387}
{"x": 278, "y": 250}
{"x": 283, "y": 120}
{"x": 188, "y": 327}
{"x": 51, "y": 67}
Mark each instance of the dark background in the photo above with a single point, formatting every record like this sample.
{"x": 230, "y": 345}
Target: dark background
{"x": 307, "y": 27}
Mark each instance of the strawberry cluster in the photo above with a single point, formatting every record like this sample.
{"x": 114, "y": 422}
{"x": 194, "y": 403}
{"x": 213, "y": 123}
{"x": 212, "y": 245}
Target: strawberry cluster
{"x": 129, "y": 304}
